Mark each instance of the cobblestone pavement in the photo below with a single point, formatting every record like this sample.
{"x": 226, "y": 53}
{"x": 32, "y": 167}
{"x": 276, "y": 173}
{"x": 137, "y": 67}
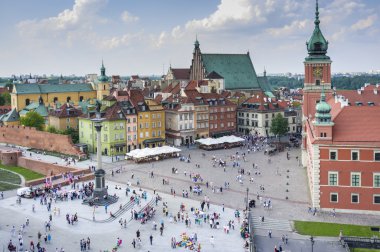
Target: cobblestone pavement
{"x": 104, "y": 235}
{"x": 274, "y": 176}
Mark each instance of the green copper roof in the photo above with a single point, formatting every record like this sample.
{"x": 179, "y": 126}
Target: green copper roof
{"x": 103, "y": 77}
{"x": 11, "y": 116}
{"x": 39, "y": 108}
{"x": 236, "y": 69}
{"x": 323, "y": 110}
{"x": 264, "y": 84}
{"x": 50, "y": 88}
{"x": 317, "y": 45}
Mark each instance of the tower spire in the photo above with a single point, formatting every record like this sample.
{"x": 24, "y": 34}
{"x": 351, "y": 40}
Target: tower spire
{"x": 316, "y": 21}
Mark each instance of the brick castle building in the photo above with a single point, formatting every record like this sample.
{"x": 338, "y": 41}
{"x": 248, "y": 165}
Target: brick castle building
{"x": 341, "y": 140}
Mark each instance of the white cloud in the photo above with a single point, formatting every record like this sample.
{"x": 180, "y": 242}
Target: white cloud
{"x": 158, "y": 41}
{"x": 177, "y": 33}
{"x": 228, "y": 11}
{"x": 81, "y": 16}
{"x": 292, "y": 28}
{"x": 118, "y": 41}
{"x": 364, "y": 23}
{"x": 128, "y": 17}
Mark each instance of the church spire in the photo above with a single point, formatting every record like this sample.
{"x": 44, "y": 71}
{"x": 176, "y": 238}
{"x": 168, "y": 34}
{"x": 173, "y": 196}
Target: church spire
{"x": 196, "y": 43}
{"x": 103, "y": 77}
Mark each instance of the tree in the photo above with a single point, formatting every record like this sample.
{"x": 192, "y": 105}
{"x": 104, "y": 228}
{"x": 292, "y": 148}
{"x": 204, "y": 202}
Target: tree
{"x": 74, "y": 134}
{"x": 7, "y": 98}
{"x": 52, "y": 129}
{"x": 279, "y": 126}
{"x": 33, "y": 119}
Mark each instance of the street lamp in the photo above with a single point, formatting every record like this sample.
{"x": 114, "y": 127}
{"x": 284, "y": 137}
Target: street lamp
{"x": 112, "y": 153}
{"x": 246, "y": 205}
{"x": 312, "y": 243}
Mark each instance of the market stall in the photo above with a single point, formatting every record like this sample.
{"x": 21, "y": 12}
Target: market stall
{"x": 224, "y": 142}
{"x": 152, "y": 154}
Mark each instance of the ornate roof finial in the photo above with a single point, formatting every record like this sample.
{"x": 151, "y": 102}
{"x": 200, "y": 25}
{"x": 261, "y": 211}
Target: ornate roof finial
{"x": 265, "y": 72}
{"x": 196, "y": 44}
{"x": 316, "y": 22}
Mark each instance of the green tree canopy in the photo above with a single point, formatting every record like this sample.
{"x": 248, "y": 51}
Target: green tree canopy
{"x": 33, "y": 119}
{"x": 7, "y": 98}
{"x": 279, "y": 125}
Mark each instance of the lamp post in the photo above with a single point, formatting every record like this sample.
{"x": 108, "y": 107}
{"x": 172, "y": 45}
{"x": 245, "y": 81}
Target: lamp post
{"x": 312, "y": 243}
{"x": 112, "y": 148}
{"x": 246, "y": 205}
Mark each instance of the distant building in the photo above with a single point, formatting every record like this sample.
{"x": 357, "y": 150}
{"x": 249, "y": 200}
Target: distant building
{"x": 256, "y": 113}
{"x": 64, "y": 117}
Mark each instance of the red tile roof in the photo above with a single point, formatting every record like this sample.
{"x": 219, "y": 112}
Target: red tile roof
{"x": 181, "y": 73}
{"x": 357, "y": 125}
{"x": 365, "y": 96}
{"x": 65, "y": 111}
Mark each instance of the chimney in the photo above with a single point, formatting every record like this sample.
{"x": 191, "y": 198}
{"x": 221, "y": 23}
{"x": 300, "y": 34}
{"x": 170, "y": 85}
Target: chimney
{"x": 359, "y": 91}
{"x": 375, "y": 91}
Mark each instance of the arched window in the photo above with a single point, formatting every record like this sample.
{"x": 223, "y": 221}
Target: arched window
{"x": 104, "y": 87}
{"x": 27, "y": 102}
{"x": 80, "y": 98}
{"x": 55, "y": 99}
{"x": 68, "y": 99}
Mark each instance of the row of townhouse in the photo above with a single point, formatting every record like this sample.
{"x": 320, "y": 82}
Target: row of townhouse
{"x": 130, "y": 122}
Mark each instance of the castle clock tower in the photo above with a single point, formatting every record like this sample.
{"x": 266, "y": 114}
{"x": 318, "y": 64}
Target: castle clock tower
{"x": 317, "y": 70}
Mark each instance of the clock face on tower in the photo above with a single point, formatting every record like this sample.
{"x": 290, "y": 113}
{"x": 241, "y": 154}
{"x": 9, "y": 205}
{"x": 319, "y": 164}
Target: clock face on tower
{"x": 317, "y": 72}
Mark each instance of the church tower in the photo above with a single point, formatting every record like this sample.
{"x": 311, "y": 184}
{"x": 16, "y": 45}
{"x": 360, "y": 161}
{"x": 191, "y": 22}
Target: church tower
{"x": 103, "y": 86}
{"x": 317, "y": 69}
{"x": 196, "y": 68}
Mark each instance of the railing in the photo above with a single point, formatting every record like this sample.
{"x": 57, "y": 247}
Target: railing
{"x": 361, "y": 242}
{"x": 252, "y": 246}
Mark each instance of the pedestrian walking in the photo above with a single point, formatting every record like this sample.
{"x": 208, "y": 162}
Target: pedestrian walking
{"x": 151, "y": 239}
{"x": 212, "y": 241}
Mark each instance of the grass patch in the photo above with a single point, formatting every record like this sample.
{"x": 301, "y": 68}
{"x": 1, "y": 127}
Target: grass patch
{"x": 364, "y": 250}
{"x": 6, "y": 187}
{"x": 332, "y": 229}
{"x": 26, "y": 173}
{"x": 6, "y": 176}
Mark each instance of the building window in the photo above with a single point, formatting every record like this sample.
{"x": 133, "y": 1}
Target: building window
{"x": 153, "y": 116}
{"x": 146, "y": 125}
{"x": 355, "y": 179}
{"x": 158, "y": 116}
{"x": 105, "y": 138}
{"x": 376, "y": 199}
{"x": 354, "y": 198}
{"x": 141, "y": 125}
{"x": 333, "y": 178}
{"x": 141, "y": 135}
{"x": 376, "y": 180}
{"x": 159, "y": 124}
{"x": 355, "y": 155}
{"x": 153, "y": 133}
{"x": 116, "y": 137}
{"x": 377, "y": 156}
{"x": 153, "y": 125}
{"x": 333, "y": 155}
{"x": 159, "y": 133}
{"x": 147, "y": 134}
{"x": 334, "y": 197}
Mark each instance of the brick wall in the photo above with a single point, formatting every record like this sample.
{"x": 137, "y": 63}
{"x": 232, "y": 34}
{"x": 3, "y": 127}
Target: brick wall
{"x": 30, "y": 137}
{"x": 44, "y": 168}
{"x": 9, "y": 157}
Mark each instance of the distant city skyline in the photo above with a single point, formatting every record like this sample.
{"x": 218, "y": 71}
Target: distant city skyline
{"x": 146, "y": 37}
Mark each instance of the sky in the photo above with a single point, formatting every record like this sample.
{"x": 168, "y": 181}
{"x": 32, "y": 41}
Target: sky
{"x": 147, "y": 36}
